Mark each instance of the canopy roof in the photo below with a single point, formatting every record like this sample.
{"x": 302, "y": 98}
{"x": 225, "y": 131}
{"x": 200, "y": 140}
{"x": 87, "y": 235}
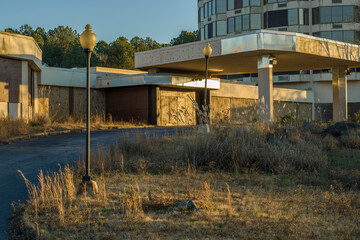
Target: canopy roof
{"x": 239, "y": 54}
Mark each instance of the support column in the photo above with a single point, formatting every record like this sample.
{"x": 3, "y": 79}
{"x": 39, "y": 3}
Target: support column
{"x": 24, "y": 92}
{"x": 339, "y": 84}
{"x": 265, "y": 83}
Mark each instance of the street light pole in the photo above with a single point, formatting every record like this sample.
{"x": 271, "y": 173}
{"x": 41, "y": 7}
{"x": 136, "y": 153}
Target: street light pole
{"x": 207, "y": 53}
{"x": 87, "y": 178}
{"x": 88, "y": 41}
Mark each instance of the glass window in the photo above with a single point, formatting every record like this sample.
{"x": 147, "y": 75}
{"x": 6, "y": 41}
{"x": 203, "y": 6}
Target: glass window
{"x": 221, "y": 28}
{"x": 306, "y": 16}
{"x": 315, "y": 16}
{"x": 221, "y": 6}
{"x": 206, "y": 32}
{"x": 277, "y": 18}
{"x": 326, "y": 34}
{"x": 214, "y": 29}
{"x": 213, "y": 9}
{"x": 265, "y": 20}
{"x": 245, "y": 3}
{"x": 202, "y": 34}
{"x": 349, "y": 36}
{"x": 237, "y": 4}
{"x": 325, "y": 15}
{"x": 210, "y": 30}
{"x": 210, "y": 8}
{"x": 293, "y": 16}
{"x": 336, "y": 14}
{"x": 271, "y": 1}
{"x": 230, "y": 5}
{"x": 231, "y": 25}
{"x": 201, "y": 14}
{"x": 245, "y": 22}
{"x": 255, "y": 3}
{"x": 206, "y": 10}
{"x": 337, "y": 36}
{"x": 238, "y": 24}
{"x": 348, "y": 13}
{"x": 255, "y": 21}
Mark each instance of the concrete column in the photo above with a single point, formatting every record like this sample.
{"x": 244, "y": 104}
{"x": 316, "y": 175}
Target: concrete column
{"x": 36, "y": 93}
{"x": 24, "y": 95}
{"x": 339, "y": 84}
{"x": 265, "y": 82}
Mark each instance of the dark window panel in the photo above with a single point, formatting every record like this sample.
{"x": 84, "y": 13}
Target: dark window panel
{"x": 237, "y": 4}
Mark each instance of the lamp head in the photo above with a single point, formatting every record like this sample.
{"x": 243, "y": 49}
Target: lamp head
{"x": 88, "y": 38}
{"x": 207, "y": 50}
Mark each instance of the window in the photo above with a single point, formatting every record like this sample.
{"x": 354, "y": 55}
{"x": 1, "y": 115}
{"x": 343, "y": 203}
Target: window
{"x": 237, "y": 4}
{"x": 245, "y": 3}
{"x": 325, "y": 15}
{"x": 293, "y": 16}
{"x": 206, "y": 35}
{"x": 349, "y": 36}
{"x": 221, "y": 6}
{"x": 315, "y": 15}
{"x": 213, "y": 9}
{"x": 305, "y": 17}
{"x": 277, "y": 18}
{"x": 326, "y": 34}
{"x": 245, "y": 22}
{"x": 255, "y": 21}
{"x": 201, "y": 14}
{"x": 206, "y": 15}
{"x": 238, "y": 24}
{"x": 337, "y": 36}
{"x": 337, "y": 14}
{"x": 231, "y": 25}
{"x": 255, "y": 3}
{"x": 348, "y": 13}
{"x": 221, "y": 28}
{"x": 230, "y": 5}
{"x": 202, "y": 37}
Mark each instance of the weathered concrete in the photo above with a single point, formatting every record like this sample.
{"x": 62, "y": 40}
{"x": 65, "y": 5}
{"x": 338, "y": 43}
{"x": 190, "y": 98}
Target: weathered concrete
{"x": 266, "y": 95}
{"x": 339, "y": 84}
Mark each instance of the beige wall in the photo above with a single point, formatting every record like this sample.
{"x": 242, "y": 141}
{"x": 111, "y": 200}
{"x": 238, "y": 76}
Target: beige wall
{"x": 175, "y": 107}
{"x": 59, "y": 103}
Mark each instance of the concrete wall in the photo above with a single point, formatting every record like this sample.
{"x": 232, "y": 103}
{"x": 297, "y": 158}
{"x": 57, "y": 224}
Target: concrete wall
{"x": 236, "y": 103}
{"x": 176, "y": 107}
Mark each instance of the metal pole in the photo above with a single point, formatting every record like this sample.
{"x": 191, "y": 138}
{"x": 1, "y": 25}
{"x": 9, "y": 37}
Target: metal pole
{"x": 205, "y": 93}
{"x": 86, "y": 178}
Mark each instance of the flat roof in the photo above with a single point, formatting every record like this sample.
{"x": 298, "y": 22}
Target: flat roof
{"x": 239, "y": 54}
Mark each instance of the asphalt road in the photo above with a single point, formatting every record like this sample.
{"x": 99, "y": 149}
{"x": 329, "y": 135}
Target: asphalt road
{"x": 46, "y": 153}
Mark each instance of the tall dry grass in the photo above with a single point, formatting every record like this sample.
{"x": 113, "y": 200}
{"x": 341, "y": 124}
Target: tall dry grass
{"x": 10, "y": 127}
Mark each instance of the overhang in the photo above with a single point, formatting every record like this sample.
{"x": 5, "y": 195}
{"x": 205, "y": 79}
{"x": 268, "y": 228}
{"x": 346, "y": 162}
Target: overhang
{"x": 239, "y": 54}
{"x": 21, "y": 47}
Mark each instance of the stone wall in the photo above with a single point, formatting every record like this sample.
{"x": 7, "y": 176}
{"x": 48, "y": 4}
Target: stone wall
{"x": 61, "y": 103}
{"x": 240, "y": 110}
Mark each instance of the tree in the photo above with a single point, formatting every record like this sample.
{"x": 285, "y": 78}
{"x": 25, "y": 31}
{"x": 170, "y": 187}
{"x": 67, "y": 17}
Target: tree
{"x": 121, "y": 54}
{"x": 185, "y": 37}
{"x": 146, "y": 44}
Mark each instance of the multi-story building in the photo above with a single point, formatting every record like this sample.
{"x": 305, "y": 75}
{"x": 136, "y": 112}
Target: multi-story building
{"x": 332, "y": 19}
{"x": 337, "y": 20}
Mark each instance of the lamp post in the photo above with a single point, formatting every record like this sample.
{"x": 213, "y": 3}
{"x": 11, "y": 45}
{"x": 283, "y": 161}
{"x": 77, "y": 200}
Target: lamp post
{"x": 87, "y": 41}
{"x": 207, "y": 53}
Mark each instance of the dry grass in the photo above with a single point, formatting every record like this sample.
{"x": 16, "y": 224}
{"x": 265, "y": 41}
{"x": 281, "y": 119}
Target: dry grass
{"x": 254, "y": 182}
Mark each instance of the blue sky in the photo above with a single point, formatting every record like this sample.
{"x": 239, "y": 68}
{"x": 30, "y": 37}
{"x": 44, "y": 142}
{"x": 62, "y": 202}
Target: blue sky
{"x": 161, "y": 20}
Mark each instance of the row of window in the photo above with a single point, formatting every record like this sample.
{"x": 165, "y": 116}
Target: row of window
{"x": 213, "y": 29}
{"x": 335, "y": 14}
{"x": 244, "y": 23}
{"x": 286, "y": 17}
{"x": 343, "y": 36}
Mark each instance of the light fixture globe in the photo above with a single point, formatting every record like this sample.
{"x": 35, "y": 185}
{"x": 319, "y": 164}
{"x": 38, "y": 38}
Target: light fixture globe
{"x": 88, "y": 38}
{"x": 207, "y": 50}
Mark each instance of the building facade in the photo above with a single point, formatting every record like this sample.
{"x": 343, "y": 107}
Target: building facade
{"x": 331, "y": 19}
{"x": 336, "y": 20}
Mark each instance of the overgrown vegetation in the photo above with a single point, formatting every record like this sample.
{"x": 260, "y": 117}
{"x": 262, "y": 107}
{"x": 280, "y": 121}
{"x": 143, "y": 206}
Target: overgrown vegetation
{"x": 247, "y": 182}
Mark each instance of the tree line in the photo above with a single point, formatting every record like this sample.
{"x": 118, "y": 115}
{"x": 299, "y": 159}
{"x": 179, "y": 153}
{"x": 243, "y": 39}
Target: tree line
{"x": 61, "y": 47}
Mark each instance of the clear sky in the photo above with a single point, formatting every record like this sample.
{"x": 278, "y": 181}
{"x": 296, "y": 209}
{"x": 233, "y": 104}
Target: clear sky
{"x": 161, "y": 20}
